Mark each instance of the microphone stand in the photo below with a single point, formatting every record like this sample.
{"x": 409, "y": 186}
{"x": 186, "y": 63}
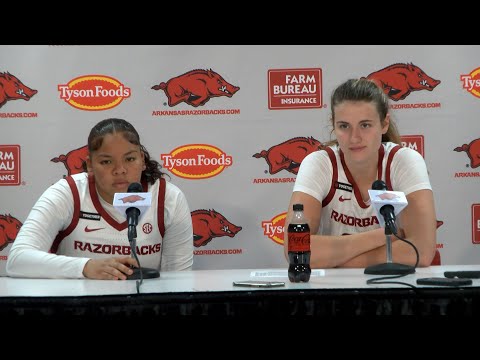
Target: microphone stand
{"x": 389, "y": 268}
{"x": 140, "y": 272}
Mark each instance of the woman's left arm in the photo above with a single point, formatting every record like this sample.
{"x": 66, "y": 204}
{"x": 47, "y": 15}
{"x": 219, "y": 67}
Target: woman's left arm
{"x": 419, "y": 224}
{"x": 177, "y": 252}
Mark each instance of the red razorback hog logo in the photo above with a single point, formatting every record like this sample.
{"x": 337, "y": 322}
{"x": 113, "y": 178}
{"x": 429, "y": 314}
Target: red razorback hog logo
{"x": 73, "y": 160}
{"x": 289, "y": 154}
{"x": 387, "y": 196}
{"x": 399, "y": 80}
{"x": 9, "y": 227}
{"x": 196, "y": 87}
{"x": 11, "y": 88}
{"x": 132, "y": 198}
{"x": 208, "y": 224}
{"x": 473, "y": 152}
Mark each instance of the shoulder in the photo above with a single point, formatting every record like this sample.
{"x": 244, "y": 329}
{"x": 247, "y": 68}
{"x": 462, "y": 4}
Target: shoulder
{"x": 172, "y": 191}
{"x": 63, "y": 184}
{"x": 175, "y": 200}
{"x": 61, "y": 192}
{"x": 318, "y": 156}
{"x": 172, "y": 188}
{"x": 405, "y": 154}
{"x": 81, "y": 177}
{"x": 80, "y": 181}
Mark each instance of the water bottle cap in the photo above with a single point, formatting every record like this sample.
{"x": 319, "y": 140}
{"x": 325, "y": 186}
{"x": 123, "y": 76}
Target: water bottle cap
{"x": 297, "y": 207}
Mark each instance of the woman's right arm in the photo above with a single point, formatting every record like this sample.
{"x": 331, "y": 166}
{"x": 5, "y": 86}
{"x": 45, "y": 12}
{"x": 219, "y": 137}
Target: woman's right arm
{"x": 29, "y": 255}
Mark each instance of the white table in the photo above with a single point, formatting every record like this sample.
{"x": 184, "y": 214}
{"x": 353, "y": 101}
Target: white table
{"x": 211, "y": 291}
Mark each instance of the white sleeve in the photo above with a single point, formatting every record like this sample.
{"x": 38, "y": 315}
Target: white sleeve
{"x": 315, "y": 175}
{"x": 409, "y": 172}
{"x": 177, "y": 252}
{"x": 29, "y": 255}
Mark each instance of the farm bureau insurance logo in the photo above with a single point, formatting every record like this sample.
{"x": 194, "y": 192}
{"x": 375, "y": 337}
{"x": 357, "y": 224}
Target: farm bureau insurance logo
{"x": 473, "y": 152}
{"x": 94, "y": 92}
{"x": 295, "y": 89}
{"x": 471, "y": 82}
{"x": 476, "y": 223}
{"x": 275, "y": 228}
{"x": 10, "y": 165}
{"x": 196, "y": 87}
{"x": 399, "y": 80}
{"x": 196, "y": 161}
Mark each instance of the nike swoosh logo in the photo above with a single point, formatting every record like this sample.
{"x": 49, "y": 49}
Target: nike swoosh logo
{"x": 342, "y": 199}
{"x": 90, "y": 230}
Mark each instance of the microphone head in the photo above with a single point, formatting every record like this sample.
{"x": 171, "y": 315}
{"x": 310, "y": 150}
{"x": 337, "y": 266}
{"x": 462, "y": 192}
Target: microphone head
{"x": 379, "y": 185}
{"x": 135, "y": 187}
{"x": 135, "y": 200}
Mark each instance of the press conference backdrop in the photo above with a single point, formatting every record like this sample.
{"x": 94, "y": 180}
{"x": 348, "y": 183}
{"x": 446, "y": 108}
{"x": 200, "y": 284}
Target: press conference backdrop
{"x": 230, "y": 125}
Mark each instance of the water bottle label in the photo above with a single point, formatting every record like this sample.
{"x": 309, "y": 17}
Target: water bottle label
{"x": 299, "y": 241}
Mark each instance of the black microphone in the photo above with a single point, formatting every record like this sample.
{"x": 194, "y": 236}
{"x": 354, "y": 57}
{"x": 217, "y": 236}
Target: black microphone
{"x": 132, "y": 212}
{"x": 143, "y": 200}
{"x": 387, "y": 211}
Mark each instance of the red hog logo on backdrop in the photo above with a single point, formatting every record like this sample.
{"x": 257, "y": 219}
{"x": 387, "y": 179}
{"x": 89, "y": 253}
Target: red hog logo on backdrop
{"x": 132, "y": 198}
{"x": 399, "y": 80}
{"x": 387, "y": 196}
{"x": 11, "y": 88}
{"x": 9, "y": 227}
{"x": 473, "y": 152}
{"x": 196, "y": 87}
{"x": 208, "y": 224}
{"x": 73, "y": 160}
{"x": 289, "y": 154}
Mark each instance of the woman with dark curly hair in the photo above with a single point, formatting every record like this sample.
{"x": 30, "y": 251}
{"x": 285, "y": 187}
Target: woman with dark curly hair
{"x": 74, "y": 231}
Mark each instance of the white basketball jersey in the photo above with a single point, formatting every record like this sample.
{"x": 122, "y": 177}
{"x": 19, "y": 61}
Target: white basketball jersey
{"x": 94, "y": 233}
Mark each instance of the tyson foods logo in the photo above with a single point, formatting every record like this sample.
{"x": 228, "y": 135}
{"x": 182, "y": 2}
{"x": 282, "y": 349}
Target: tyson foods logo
{"x": 94, "y": 92}
{"x": 73, "y": 160}
{"x": 196, "y": 88}
{"x": 295, "y": 89}
{"x": 471, "y": 82}
{"x": 274, "y": 228}
{"x": 10, "y": 165}
{"x": 11, "y": 88}
{"x": 399, "y": 80}
{"x": 9, "y": 227}
{"x": 209, "y": 224}
{"x": 196, "y": 161}
{"x": 289, "y": 154}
